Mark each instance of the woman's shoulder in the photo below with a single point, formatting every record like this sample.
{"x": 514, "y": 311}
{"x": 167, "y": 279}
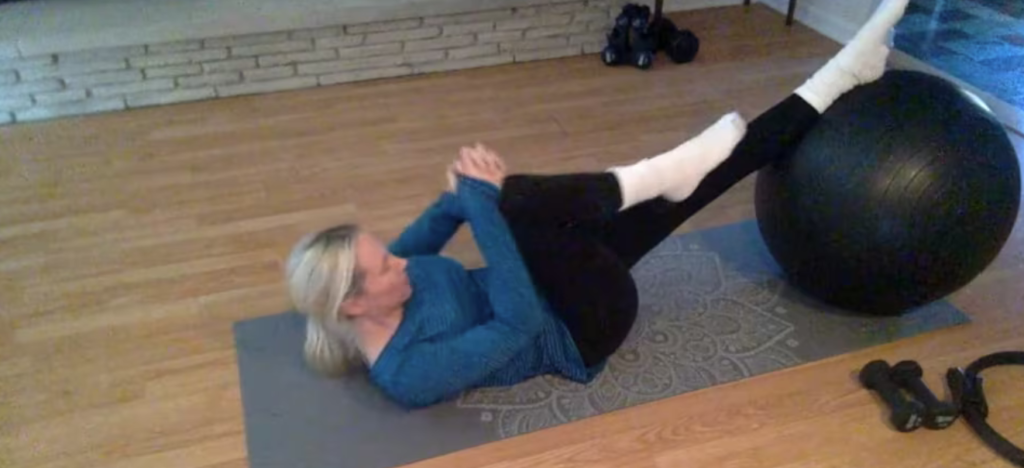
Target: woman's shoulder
{"x": 441, "y": 297}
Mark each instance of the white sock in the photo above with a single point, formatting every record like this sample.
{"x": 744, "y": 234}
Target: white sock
{"x": 677, "y": 173}
{"x": 859, "y": 62}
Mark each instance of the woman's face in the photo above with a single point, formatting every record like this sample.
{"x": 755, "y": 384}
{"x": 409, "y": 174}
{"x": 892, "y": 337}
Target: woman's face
{"x": 385, "y": 285}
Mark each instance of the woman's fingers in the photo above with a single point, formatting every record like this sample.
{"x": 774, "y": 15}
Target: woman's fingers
{"x": 480, "y": 162}
{"x": 469, "y": 164}
{"x": 488, "y": 157}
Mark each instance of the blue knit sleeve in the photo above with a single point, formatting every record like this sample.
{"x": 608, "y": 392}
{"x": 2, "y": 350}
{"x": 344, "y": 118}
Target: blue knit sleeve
{"x": 433, "y": 371}
{"x": 509, "y": 285}
{"x": 429, "y": 233}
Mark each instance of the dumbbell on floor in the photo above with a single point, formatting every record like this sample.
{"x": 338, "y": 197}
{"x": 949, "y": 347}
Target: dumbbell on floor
{"x": 681, "y": 46}
{"x": 617, "y": 50}
{"x": 905, "y": 415}
{"x": 643, "y": 43}
{"x": 938, "y": 414}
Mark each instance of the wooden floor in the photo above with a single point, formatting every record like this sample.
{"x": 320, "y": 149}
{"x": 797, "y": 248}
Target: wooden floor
{"x": 130, "y": 243}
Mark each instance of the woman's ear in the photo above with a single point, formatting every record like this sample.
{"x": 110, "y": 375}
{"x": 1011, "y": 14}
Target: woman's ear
{"x": 353, "y": 307}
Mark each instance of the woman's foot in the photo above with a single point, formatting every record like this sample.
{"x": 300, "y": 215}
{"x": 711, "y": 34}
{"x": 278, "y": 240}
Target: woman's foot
{"x": 859, "y": 62}
{"x": 675, "y": 174}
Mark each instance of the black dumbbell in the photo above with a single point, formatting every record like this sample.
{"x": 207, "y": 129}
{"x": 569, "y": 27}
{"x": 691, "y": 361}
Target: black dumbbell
{"x": 681, "y": 46}
{"x": 905, "y": 415}
{"x": 643, "y": 43}
{"x": 617, "y": 51}
{"x": 938, "y": 414}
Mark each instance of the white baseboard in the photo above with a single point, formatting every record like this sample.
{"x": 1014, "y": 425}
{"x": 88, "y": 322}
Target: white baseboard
{"x": 816, "y": 18}
{"x": 684, "y": 5}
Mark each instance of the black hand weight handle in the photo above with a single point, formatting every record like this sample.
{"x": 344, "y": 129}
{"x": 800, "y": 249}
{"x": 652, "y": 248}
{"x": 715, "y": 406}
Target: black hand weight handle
{"x": 938, "y": 414}
{"x": 905, "y": 415}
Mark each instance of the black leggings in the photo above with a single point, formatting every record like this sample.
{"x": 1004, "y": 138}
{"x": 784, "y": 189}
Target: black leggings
{"x": 579, "y": 248}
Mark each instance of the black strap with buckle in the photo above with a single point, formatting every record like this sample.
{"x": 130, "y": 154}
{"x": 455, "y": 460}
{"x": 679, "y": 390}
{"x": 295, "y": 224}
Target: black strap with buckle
{"x": 969, "y": 396}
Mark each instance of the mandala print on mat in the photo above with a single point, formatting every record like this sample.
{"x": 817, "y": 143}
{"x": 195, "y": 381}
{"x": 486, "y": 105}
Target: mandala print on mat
{"x": 699, "y": 325}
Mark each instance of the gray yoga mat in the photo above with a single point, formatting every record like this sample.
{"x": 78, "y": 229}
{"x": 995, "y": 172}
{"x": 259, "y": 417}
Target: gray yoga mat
{"x": 714, "y": 309}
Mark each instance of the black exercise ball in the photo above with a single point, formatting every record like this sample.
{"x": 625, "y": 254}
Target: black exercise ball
{"x": 904, "y": 191}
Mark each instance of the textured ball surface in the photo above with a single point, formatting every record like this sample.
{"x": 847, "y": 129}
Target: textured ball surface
{"x": 904, "y": 192}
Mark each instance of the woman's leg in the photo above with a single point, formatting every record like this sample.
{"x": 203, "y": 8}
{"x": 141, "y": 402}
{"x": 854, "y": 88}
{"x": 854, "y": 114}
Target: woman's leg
{"x": 584, "y": 272}
{"x": 770, "y": 137}
{"x": 588, "y": 198}
{"x": 633, "y": 233}
{"x": 586, "y": 284}
{"x": 560, "y": 200}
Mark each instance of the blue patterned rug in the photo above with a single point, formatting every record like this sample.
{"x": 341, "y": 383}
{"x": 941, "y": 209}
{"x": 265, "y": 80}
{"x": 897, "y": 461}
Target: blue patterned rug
{"x": 714, "y": 309}
{"x": 978, "y": 41}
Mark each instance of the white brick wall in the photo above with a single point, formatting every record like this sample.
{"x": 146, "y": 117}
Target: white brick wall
{"x": 440, "y": 43}
{"x": 475, "y": 51}
{"x": 60, "y": 97}
{"x": 383, "y": 26}
{"x": 469, "y": 28}
{"x": 55, "y": 70}
{"x": 275, "y": 48}
{"x": 162, "y": 60}
{"x": 533, "y": 22}
{"x": 318, "y": 33}
{"x": 535, "y": 44}
{"x": 350, "y": 64}
{"x": 30, "y": 87}
{"x": 369, "y": 51}
{"x": 245, "y": 40}
{"x": 170, "y": 47}
{"x": 403, "y": 35}
{"x": 297, "y": 82}
{"x": 129, "y": 88}
{"x": 556, "y": 31}
{"x": 49, "y": 86}
{"x": 115, "y": 54}
{"x": 588, "y": 38}
{"x": 495, "y": 37}
{"x": 212, "y": 79}
{"x": 22, "y": 63}
{"x": 86, "y": 81}
{"x": 264, "y": 74}
{"x": 229, "y": 65}
{"x": 300, "y": 57}
{"x": 561, "y": 8}
{"x": 174, "y": 70}
{"x": 590, "y": 16}
{"x": 158, "y": 98}
{"x": 15, "y": 103}
{"x": 464, "y": 64}
{"x": 469, "y": 17}
{"x": 546, "y": 54}
{"x": 90, "y": 106}
{"x": 339, "y": 42}
{"x": 593, "y": 48}
{"x": 363, "y": 75}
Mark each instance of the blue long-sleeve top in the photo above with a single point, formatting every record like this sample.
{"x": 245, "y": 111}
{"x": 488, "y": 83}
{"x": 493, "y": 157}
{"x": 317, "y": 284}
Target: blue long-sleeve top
{"x": 465, "y": 329}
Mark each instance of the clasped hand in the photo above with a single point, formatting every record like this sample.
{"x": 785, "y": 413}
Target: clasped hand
{"x": 477, "y": 162}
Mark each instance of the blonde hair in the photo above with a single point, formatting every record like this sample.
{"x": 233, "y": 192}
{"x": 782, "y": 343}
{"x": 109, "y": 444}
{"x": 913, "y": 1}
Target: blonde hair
{"x": 321, "y": 274}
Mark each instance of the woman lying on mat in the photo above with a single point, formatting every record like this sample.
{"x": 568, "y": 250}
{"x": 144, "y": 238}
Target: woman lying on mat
{"x": 557, "y": 297}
